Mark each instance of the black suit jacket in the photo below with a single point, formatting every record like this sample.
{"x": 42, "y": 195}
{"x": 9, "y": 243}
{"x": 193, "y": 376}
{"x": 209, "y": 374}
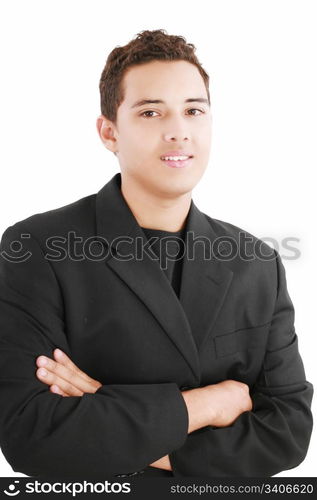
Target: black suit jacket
{"x": 119, "y": 319}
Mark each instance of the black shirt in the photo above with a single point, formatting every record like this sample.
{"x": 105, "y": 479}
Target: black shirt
{"x": 170, "y": 252}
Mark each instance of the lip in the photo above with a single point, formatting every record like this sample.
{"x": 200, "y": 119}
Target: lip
{"x": 177, "y": 163}
{"x": 177, "y": 152}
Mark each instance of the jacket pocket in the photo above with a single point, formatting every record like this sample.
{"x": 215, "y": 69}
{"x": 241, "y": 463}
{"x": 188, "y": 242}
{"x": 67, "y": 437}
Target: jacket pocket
{"x": 254, "y": 337}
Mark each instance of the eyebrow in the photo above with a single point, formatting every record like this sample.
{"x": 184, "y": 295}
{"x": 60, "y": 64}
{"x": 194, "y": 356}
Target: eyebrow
{"x": 159, "y": 101}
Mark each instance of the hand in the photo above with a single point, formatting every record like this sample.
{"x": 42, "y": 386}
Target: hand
{"x": 162, "y": 463}
{"x": 63, "y": 376}
{"x": 226, "y": 401}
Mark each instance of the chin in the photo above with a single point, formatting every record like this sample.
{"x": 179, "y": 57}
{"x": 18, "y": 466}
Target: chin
{"x": 185, "y": 183}
{"x": 176, "y": 187}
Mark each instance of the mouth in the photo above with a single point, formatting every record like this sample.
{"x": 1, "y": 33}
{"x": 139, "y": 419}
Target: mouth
{"x": 177, "y": 161}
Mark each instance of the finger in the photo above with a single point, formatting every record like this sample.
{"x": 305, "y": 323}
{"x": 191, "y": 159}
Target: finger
{"x": 69, "y": 376}
{"x": 56, "y": 390}
{"x": 50, "y": 378}
{"x": 62, "y": 358}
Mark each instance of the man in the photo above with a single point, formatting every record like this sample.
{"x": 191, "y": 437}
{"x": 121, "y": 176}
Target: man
{"x": 190, "y": 368}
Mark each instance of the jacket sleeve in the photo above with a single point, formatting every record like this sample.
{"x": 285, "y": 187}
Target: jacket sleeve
{"x": 275, "y": 434}
{"x": 121, "y": 428}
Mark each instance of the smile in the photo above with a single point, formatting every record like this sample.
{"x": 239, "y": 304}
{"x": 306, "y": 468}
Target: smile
{"x": 177, "y": 161}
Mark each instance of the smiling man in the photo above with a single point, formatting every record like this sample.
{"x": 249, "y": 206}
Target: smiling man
{"x": 165, "y": 344}
{"x": 164, "y": 117}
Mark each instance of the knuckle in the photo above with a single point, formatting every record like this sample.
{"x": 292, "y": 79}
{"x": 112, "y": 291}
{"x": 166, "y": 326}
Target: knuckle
{"x": 243, "y": 387}
{"x": 69, "y": 389}
{"x": 72, "y": 376}
{"x": 74, "y": 391}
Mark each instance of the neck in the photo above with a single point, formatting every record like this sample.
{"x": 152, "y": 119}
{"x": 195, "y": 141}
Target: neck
{"x": 155, "y": 212}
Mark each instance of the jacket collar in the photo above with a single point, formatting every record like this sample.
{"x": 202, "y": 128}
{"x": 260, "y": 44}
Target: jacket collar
{"x": 189, "y": 319}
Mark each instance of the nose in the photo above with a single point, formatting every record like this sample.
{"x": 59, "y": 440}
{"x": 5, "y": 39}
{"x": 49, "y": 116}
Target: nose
{"x": 175, "y": 138}
{"x": 176, "y": 133}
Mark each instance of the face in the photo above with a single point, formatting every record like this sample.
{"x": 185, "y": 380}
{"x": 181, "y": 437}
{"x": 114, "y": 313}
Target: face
{"x": 146, "y": 131}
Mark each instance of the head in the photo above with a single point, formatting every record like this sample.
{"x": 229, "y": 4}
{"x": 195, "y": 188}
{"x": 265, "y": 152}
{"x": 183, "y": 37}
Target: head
{"x": 156, "y": 67}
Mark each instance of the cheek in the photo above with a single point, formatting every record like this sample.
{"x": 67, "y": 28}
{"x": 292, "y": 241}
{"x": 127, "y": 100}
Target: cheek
{"x": 205, "y": 143}
{"x": 139, "y": 161}
{"x": 205, "y": 132}
{"x": 131, "y": 147}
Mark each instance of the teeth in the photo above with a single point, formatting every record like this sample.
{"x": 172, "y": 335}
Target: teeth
{"x": 175, "y": 158}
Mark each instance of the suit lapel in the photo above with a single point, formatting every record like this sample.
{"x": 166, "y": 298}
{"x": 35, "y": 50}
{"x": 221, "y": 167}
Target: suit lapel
{"x": 205, "y": 279}
{"x": 204, "y": 282}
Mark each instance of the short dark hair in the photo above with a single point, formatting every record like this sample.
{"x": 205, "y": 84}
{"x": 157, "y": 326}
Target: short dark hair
{"x": 145, "y": 47}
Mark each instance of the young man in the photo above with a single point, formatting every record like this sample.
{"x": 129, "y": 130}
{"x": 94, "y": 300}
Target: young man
{"x": 181, "y": 363}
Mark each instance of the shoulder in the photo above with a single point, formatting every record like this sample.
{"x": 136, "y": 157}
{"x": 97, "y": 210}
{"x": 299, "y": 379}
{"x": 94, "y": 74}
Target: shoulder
{"x": 78, "y": 215}
{"x": 228, "y": 232}
{"x": 243, "y": 252}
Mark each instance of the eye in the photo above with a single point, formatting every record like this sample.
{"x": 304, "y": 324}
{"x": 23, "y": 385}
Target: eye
{"x": 146, "y": 116}
{"x": 195, "y": 109}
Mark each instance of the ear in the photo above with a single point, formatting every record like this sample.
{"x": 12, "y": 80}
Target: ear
{"x": 107, "y": 133}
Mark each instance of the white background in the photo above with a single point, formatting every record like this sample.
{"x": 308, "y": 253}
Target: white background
{"x": 261, "y": 58}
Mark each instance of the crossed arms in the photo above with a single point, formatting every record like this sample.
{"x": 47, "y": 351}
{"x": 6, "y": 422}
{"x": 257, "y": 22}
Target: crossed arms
{"x": 120, "y": 428}
{"x": 217, "y": 404}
